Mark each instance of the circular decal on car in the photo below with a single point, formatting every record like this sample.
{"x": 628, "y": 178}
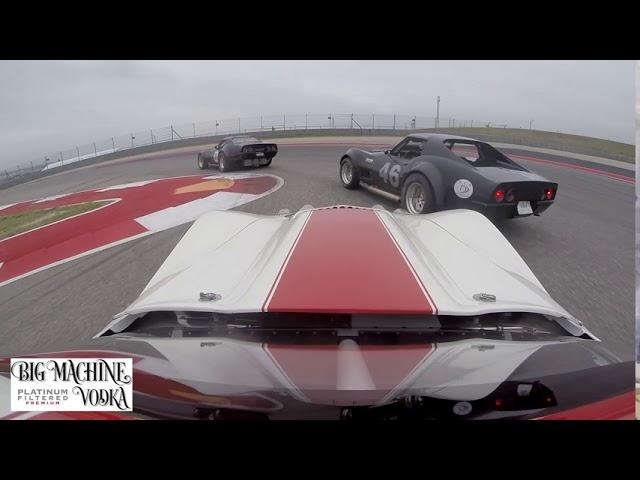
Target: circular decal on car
{"x": 463, "y": 188}
{"x": 462, "y": 408}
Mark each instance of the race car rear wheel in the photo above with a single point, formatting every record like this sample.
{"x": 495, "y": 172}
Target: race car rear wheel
{"x": 202, "y": 164}
{"x": 267, "y": 163}
{"x": 417, "y": 195}
{"x": 222, "y": 163}
{"x": 348, "y": 174}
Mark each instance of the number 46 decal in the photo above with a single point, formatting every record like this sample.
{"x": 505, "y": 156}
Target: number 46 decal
{"x": 390, "y": 174}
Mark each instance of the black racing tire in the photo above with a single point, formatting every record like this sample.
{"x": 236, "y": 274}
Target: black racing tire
{"x": 417, "y": 195}
{"x": 349, "y": 174}
{"x": 223, "y": 163}
{"x": 202, "y": 162}
{"x": 268, "y": 162}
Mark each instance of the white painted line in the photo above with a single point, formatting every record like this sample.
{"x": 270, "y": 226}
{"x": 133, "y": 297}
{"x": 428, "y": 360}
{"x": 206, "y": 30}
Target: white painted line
{"x": 247, "y": 198}
{"x": 75, "y": 257}
{"x": 110, "y": 200}
{"x": 187, "y": 212}
{"x": 218, "y": 200}
{"x": 52, "y": 197}
{"x": 127, "y": 185}
{"x": 33, "y": 200}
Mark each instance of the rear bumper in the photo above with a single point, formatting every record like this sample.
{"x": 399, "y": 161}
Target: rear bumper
{"x": 509, "y": 210}
{"x": 253, "y": 155}
{"x": 249, "y": 159}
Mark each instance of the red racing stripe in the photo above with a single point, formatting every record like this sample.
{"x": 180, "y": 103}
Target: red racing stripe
{"x": 345, "y": 261}
{"x": 620, "y": 407}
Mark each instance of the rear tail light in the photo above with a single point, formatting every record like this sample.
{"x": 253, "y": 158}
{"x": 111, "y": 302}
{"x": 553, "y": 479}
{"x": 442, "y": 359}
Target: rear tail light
{"x": 499, "y": 195}
{"x": 549, "y": 193}
{"x": 511, "y": 196}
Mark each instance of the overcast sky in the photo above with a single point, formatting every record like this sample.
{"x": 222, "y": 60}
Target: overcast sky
{"x": 46, "y": 106}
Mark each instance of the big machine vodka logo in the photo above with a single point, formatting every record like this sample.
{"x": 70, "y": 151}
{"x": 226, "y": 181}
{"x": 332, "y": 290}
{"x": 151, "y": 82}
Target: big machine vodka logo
{"x": 71, "y": 384}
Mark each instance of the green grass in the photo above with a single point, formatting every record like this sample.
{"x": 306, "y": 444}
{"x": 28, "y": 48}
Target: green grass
{"x": 11, "y": 225}
{"x": 553, "y": 140}
{"x": 566, "y": 142}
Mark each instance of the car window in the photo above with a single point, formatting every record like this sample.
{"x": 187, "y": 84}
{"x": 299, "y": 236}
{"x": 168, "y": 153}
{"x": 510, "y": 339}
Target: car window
{"x": 242, "y": 140}
{"x": 409, "y": 148}
{"x": 467, "y": 151}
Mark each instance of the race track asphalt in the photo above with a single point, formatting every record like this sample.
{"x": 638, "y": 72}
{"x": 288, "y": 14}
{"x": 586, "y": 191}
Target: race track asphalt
{"x": 581, "y": 249}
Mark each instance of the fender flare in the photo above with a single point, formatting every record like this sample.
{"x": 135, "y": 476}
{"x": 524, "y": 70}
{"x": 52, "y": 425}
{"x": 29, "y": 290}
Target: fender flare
{"x": 433, "y": 177}
{"x": 355, "y": 155}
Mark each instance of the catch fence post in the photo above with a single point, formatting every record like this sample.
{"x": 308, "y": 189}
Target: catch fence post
{"x": 113, "y": 144}
{"x": 95, "y": 150}
{"x": 394, "y": 121}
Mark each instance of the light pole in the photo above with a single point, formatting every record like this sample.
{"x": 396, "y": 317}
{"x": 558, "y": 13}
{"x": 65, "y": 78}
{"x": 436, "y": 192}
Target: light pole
{"x": 438, "y": 112}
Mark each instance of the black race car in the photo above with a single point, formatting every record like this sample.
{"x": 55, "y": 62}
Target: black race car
{"x": 240, "y": 151}
{"x": 429, "y": 172}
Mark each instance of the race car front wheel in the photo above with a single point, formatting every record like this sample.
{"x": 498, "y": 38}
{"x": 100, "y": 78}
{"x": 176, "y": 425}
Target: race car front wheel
{"x": 417, "y": 195}
{"x": 222, "y": 163}
{"x": 348, "y": 174}
{"x": 201, "y": 162}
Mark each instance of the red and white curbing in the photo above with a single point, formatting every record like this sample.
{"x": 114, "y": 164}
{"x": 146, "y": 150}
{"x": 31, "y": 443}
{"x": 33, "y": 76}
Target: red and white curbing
{"x": 136, "y": 210}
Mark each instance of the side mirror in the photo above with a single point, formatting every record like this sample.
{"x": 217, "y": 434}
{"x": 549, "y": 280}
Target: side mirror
{"x": 386, "y": 152}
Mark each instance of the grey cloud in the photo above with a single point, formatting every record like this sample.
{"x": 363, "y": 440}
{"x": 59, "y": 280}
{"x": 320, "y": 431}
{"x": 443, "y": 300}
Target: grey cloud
{"x": 46, "y": 106}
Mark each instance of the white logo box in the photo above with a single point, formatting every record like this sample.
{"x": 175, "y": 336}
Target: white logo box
{"x": 71, "y": 384}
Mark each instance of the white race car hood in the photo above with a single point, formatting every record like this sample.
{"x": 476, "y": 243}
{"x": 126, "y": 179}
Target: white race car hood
{"x": 346, "y": 260}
